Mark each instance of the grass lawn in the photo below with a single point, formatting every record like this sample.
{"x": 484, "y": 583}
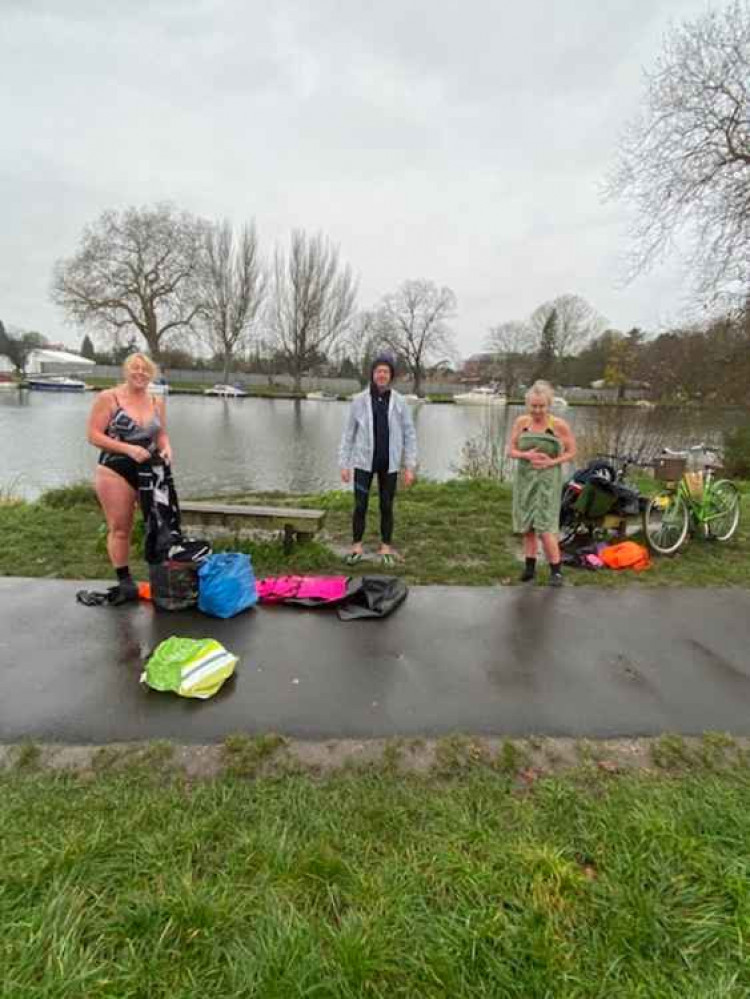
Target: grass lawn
{"x": 457, "y": 532}
{"x": 372, "y": 884}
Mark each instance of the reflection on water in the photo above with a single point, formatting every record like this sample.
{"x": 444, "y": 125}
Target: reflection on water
{"x": 231, "y": 445}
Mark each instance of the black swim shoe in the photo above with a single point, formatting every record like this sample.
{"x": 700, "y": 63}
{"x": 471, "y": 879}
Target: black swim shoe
{"x": 125, "y": 592}
{"x": 529, "y": 571}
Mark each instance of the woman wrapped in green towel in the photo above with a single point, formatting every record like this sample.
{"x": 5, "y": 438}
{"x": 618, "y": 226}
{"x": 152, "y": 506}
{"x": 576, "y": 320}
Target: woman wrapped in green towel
{"x": 541, "y": 444}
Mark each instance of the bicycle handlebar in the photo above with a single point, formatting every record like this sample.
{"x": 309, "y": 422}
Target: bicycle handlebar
{"x": 685, "y": 451}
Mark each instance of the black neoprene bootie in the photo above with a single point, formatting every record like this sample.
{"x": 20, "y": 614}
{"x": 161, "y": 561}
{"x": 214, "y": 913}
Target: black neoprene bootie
{"x": 529, "y": 570}
{"x": 125, "y": 592}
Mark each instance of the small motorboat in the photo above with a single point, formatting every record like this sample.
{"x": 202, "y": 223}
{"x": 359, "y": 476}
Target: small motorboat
{"x": 559, "y": 402}
{"x": 226, "y": 391}
{"x": 414, "y": 400}
{"x": 159, "y": 387}
{"x": 484, "y": 395}
{"x": 55, "y": 383}
{"x": 322, "y": 397}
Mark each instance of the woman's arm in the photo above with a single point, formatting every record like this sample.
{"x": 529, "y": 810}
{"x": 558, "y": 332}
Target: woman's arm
{"x": 568, "y": 441}
{"x": 162, "y": 438}
{"x": 99, "y": 417}
{"x": 101, "y": 413}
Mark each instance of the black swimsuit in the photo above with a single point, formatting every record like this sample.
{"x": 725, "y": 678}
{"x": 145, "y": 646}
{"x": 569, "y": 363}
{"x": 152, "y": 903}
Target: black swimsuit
{"x": 122, "y": 427}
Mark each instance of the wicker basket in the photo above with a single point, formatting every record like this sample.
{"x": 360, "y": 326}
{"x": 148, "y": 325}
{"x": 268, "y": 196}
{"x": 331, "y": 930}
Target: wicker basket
{"x": 694, "y": 482}
{"x": 669, "y": 469}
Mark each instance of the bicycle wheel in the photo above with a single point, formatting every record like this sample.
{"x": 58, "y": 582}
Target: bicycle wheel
{"x": 665, "y": 522}
{"x": 723, "y": 510}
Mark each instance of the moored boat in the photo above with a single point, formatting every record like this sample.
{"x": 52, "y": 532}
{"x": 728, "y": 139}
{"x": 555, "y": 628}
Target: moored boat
{"x": 55, "y": 383}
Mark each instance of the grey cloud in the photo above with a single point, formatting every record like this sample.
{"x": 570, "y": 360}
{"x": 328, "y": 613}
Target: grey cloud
{"x": 462, "y": 142}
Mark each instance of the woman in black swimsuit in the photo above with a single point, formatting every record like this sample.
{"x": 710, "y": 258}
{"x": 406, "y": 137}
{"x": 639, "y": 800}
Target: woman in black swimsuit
{"x": 129, "y": 426}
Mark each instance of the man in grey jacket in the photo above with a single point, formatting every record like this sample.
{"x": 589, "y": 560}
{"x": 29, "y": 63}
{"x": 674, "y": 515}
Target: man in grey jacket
{"x": 378, "y": 437}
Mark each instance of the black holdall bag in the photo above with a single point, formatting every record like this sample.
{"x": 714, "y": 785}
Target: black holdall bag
{"x": 372, "y": 597}
{"x": 174, "y": 585}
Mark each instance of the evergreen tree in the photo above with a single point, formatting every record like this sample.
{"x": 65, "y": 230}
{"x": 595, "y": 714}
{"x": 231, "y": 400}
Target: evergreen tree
{"x": 87, "y": 348}
{"x": 545, "y": 367}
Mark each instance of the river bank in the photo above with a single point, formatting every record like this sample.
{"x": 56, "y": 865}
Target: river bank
{"x": 454, "y": 533}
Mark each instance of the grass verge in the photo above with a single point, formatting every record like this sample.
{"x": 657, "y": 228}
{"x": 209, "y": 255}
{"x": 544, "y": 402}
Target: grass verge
{"x": 456, "y": 532}
{"x": 375, "y": 884}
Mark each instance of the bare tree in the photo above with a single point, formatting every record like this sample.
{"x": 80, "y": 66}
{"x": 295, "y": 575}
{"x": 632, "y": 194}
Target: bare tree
{"x": 134, "y": 271}
{"x": 684, "y": 163}
{"x": 18, "y": 345}
{"x": 362, "y": 341}
{"x": 232, "y": 289}
{"x": 512, "y": 344}
{"x": 412, "y": 323}
{"x": 576, "y": 323}
{"x": 312, "y": 302}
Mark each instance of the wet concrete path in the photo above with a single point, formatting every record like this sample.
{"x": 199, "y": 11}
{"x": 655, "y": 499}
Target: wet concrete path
{"x": 493, "y": 661}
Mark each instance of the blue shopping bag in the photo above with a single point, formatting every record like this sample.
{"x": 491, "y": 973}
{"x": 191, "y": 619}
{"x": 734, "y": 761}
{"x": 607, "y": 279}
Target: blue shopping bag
{"x": 226, "y": 584}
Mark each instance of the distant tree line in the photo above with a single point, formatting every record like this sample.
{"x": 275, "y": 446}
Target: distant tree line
{"x": 184, "y": 287}
{"x": 707, "y": 362}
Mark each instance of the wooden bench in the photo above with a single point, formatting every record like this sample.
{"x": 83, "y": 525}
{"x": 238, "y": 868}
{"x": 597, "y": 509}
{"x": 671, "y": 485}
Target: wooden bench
{"x": 223, "y": 520}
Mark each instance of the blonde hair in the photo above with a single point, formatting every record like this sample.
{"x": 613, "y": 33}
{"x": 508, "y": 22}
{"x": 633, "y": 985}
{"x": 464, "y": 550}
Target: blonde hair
{"x": 147, "y": 363}
{"x": 543, "y": 389}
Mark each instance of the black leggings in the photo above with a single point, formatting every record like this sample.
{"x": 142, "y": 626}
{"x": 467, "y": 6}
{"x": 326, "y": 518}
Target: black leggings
{"x": 387, "y": 490}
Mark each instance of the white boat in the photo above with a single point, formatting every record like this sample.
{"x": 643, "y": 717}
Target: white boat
{"x": 55, "y": 383}
{"x": 322, "y": 396}
{"x": 482, "y": 396}
{"x": 414, "y": 400}
{"x": 226, "y": 391}
{"x": 559, "y": 402}
{"x": 159, "y": 387}
{"x": 9, "y": 384}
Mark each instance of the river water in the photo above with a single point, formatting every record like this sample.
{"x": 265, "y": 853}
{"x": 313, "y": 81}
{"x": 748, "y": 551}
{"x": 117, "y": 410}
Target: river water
{"x": 231, "y": 446}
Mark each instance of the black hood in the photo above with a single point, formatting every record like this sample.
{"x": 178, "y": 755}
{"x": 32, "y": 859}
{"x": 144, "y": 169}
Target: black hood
{"x": 386, "y": 359}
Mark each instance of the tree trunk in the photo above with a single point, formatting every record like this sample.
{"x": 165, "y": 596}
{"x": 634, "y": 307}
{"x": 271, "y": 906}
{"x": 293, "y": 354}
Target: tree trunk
{"x": 227, "y": 366}
{"x": 417, "y": 373}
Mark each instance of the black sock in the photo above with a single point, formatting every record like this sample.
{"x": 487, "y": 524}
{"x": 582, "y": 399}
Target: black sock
{"x": 529, "y": 569}
{"x": 123, "y": 573}
{"x": 555, "y": 568}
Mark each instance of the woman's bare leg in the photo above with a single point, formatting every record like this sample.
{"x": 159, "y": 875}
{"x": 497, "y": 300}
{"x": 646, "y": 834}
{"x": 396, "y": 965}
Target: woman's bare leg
{"x": 551, "y": 547}
{"x": 530, "y": 547}
{"x": 118, "y": 501}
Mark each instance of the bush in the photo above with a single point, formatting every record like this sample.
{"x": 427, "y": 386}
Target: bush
{"x": 737, "y": 452}
{"x": 67, "y": 497}
{"x": 483, "y": 457}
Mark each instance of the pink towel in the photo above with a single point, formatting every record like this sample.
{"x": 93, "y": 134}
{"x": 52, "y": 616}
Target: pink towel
{"x": 324, "y": 589}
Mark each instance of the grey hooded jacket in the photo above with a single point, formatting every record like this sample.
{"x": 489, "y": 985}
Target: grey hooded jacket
{"x": 358, "y": 442}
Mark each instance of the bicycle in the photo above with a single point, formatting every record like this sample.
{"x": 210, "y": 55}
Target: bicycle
{"x": 691, "y": 497}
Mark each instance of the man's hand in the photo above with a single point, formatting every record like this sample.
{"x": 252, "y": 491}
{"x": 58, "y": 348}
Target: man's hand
{"x": 346, "y": 476}
{"x": 409, "y": 477}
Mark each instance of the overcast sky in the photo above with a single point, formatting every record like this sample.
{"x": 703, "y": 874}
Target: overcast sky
{"x": 464, "y": 142}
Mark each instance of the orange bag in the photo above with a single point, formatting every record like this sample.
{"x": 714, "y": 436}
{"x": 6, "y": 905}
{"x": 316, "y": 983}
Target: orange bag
{"x": 626, "y": 555}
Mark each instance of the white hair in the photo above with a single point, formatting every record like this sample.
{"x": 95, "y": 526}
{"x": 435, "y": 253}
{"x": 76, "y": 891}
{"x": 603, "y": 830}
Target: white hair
{"x": 543, "y": 389}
